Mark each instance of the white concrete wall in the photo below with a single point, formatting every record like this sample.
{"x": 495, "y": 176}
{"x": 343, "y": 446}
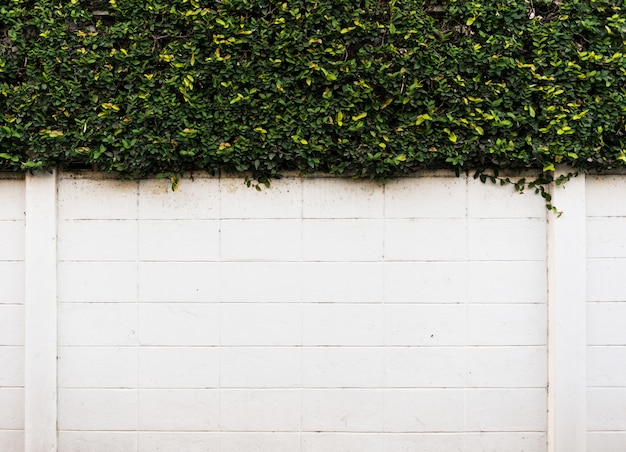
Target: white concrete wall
{"x": 319, "y": 315}
{"x": 606, "y": 314}
{"x": 12, "y": 227}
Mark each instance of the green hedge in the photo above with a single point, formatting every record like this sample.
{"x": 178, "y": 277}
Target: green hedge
{"x": 362, "y": 87}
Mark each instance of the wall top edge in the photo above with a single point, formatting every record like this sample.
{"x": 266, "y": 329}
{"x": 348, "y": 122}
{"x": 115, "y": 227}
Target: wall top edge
{"x": 12, "y": 176}
{"x": 611, "y": 172}
{"x": 95, "y": 175}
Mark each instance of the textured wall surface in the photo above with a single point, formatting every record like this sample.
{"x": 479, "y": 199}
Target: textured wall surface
{"x": 12, "y": 314}
{"x": 318, "y": 315}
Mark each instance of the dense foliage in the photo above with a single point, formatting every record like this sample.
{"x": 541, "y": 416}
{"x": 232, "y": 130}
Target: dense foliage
{"x": 371, "y": 88}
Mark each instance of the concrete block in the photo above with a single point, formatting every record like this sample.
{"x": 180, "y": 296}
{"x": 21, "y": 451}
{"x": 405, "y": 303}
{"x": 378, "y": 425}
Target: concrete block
{"x": 410, "y": 442}
{"x": 509, "y": 324}
{"x": 606, "y": 409}
{"x": 425, "y": 282}
{"x": 606, "y": 441}
{"x": 179, "y": 282}
{"x": 283, "y": 199}
{"x": 178, "y": 324}
{"x": 425, "y": 239}
{"x": 342, "y": 367}
{"x": 12, "y": 247}
{"x": 178, "y": 367}
{"x": 261, "y": 240}
{"x": 426, "y": 197}
{"x": 97, "y": 409}
{"x": 425, "y": 325}
{"x": 12, "y": 369}
{"x": 509, "y": 441}
{"x": 261, "y": 281}
{"x": 487, "y": 200}
{"x": 606, "y": 366}
{"x": 97, "y": 324}
{"x": 179, "y": 240}
{"x": 178, "y": 441}
{"x": 12, "y": 199}
{"x": 507, "y": 410}
{"x": 605, "y": 237}
{"x": 342, "y": 198}
{"x": 598, "y": 203}
{"x": 342, "y": 442}
{"x": 342, "y": 410}
{"x": 92, "y": 199}
{"x": 76, "y": 441}
{"x": 342, "y": 324}
{"x": 12, "y": 440}
{"x": 11, "y": 408}
{"x": 602, "y": 278}
{"x": 424, "y": 410}
{"x": 178, "y": 409}
{"x": 260, "y": 324}
{"x": 97, "y": 240}
{"x": 506, "y": 239}
{"x": 507, "y": 282}
{"x": 12, "y": 283}
{"x": 507, "y": 367}
{"x": 259, "y": 442}
{"x": 11, "y": 324}
{"x": 605, "y": 324}
{"x": 101, "y": 282}
{"x": 97, "y": 367}
{"x": 425, "y": 367}
{"x": 260, "y": 410}
{"x": 260, "y": 367}
{"x": 341, "y": 282}
{"x": 194, "y": 199}
{"x": 342, "y": 240}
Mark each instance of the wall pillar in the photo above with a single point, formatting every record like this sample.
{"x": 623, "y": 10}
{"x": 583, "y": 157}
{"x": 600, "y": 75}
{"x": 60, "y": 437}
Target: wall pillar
{"x": 40, "y": 366}
{"x": 567, "y": 319}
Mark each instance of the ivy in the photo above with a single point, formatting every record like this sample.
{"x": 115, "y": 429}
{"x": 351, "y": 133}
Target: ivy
{"x": 366, "y": 88}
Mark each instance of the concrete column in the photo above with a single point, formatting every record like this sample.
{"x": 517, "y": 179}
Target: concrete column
{"x": 567, "y": 318}
{"x": 40, "y": 366}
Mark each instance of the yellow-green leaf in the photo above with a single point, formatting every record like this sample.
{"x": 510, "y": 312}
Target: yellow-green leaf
{"x": 422, "y": 118}
{"x": 110, "y": 106}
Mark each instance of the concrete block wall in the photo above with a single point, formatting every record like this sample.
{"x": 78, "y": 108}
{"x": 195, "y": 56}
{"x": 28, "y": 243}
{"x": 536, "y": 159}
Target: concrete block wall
{"x": 319, "y": 315}
{"x": 12, "y": 224}
{"x": 606, "y": 314}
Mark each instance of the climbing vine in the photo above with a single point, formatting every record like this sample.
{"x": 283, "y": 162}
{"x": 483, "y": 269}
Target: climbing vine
{"x": 365, "y": 88}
